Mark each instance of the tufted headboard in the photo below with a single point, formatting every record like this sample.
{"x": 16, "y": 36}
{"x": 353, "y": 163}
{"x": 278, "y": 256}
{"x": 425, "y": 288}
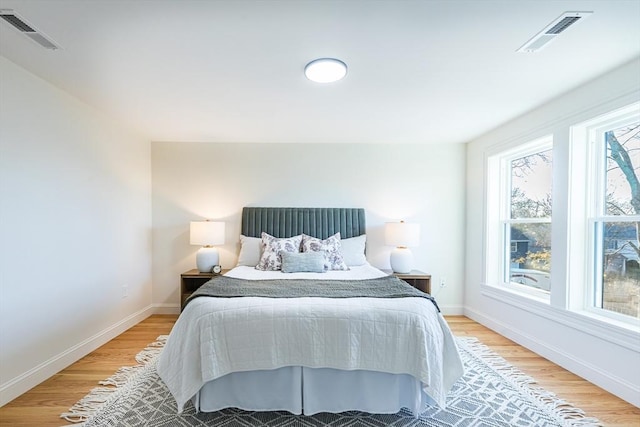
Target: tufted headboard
{"x": 316, "y": 222}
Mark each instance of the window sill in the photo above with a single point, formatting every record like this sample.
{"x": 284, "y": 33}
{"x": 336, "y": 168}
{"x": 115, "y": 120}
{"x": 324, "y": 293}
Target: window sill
{"x": 622, "y": 334}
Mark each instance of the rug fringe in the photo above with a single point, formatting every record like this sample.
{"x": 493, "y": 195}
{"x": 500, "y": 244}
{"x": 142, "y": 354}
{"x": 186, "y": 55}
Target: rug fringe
{"x": 569, "y": 415}
{"x": 86, "y": 407}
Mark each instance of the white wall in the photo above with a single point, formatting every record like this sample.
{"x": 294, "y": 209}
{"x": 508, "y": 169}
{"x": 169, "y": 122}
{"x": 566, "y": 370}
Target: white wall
{"x": 417, "y": 183}
{"x": 584, "y": 347}
{"x": 75, "y": 226}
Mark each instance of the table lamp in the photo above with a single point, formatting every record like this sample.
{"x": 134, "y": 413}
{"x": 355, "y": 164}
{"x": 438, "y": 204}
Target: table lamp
{"x": 206, "y": 234}
{"x": 401, "y": 235}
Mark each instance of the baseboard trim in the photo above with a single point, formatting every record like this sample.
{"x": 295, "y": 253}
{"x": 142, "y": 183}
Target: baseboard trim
{"x": 26, "y": 381}
{"x": 615, "y": 385}
{"x": 451, "y": 310}
{"x": 166, "y": 308}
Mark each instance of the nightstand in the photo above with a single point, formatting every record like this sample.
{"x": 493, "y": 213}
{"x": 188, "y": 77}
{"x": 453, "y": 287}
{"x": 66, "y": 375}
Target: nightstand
{"x": 192, "y": 280}
{"x": 418, "y": 279}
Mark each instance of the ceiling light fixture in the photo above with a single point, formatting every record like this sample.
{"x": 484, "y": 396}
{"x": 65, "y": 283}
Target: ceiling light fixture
{"x": 325, "y": 70}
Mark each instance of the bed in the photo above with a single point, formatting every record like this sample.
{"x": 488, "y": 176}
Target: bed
{"x": 377, "y": 345}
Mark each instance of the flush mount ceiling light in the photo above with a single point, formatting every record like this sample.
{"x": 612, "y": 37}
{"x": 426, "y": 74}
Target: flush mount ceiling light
{"x": 325, "y": 70}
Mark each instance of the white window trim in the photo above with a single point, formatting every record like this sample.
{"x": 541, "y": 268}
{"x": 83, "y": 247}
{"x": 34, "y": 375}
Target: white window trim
{"x": 605, "y": 328}
{"x": 497, "y": 215}
{"x": 590, "y": 133}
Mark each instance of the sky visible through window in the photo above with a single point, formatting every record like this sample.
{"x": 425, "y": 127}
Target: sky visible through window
{"x": 531, "y": 185}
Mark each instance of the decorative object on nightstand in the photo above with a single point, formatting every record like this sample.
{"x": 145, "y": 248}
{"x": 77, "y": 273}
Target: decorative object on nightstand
{"x": 401, "y": 235}
{"x": 206, "y": 234}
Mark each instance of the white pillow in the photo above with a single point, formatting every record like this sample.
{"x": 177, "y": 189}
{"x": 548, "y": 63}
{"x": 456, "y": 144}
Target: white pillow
{"x": 250, "y": 251}
{"x": 353, "y": 250}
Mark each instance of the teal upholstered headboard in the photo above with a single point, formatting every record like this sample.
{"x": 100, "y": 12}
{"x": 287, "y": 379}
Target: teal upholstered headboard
{"x": 316, "y": 222}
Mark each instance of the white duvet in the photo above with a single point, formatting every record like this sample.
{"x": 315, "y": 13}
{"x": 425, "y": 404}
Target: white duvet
{"x": 217, "y": 336}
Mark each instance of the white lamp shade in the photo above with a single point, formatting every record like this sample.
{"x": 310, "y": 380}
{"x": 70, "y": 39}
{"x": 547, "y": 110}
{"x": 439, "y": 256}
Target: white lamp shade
{"x": 401, "y": 234}
{"x": 206, "y": 233}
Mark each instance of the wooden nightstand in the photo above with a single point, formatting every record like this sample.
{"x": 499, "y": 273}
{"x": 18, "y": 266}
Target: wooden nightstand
{"x": 192, "y": 280}
{"x": 418, "y": 279}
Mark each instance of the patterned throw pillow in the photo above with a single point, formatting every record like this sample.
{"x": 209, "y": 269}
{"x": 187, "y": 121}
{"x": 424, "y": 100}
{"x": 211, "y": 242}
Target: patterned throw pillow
{"x": 271, "y": 248}
{"x": 331, "y": 249}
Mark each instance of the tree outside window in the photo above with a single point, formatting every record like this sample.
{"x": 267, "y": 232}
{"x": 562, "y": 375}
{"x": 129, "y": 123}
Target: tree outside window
{"x": 616, "y": 230}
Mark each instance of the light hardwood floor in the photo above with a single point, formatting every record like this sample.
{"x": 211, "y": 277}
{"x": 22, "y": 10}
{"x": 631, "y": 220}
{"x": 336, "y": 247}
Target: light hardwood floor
{"x": 42, "y": 405}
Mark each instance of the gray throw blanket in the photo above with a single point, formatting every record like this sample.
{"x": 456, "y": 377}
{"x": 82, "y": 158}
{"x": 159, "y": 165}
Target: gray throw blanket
{"x": 382, "y": 287}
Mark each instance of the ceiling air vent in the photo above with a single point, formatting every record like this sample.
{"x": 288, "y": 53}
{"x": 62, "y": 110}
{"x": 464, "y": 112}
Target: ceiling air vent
{"x": 27, "y": 29}
{"x": 552, "y": 30}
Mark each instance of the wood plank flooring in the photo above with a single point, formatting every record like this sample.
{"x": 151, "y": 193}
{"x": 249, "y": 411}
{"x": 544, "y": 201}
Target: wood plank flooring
{"x": 42, "y": 405}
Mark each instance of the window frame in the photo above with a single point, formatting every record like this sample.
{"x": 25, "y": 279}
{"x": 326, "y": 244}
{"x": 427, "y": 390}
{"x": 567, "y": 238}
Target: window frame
{"x": 568, "y": 239}
{"x": 590, "y": 134}
{"x": 498, "y": 214}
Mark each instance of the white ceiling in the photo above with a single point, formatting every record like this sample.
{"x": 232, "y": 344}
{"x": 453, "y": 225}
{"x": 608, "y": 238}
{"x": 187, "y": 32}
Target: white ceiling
{"x": 232, "y": 71}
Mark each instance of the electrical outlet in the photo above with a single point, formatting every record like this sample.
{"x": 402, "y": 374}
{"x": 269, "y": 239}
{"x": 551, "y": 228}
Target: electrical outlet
{"x": 443, "y": 282}
{"x": 125, "y": 291}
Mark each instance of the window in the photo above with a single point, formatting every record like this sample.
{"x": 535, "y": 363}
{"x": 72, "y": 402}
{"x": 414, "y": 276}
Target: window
{"x": 567, "y": 243}
{"x": 613, "y": 213}
{"x": 520, "y": 207}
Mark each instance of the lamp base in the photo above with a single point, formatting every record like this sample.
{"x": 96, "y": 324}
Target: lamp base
{"x": 206, "y": 258}
{"x": 401, "y": 260}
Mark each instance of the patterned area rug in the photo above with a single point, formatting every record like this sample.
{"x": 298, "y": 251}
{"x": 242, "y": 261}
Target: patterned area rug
{"x": 492, "y": 393}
